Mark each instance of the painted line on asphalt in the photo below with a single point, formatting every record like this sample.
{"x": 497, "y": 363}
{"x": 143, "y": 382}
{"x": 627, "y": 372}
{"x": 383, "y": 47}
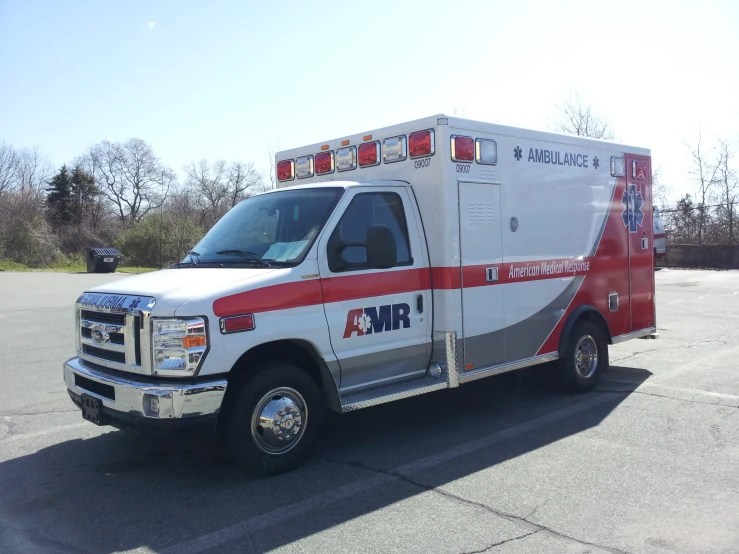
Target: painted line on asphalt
{"x": 269, "y": 519}
{"x": 667, "y": 388}
{"x": 50, "y": 431}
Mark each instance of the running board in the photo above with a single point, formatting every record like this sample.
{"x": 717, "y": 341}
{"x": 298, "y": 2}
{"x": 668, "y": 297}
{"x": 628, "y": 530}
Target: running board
{"x": 391, "y": 392}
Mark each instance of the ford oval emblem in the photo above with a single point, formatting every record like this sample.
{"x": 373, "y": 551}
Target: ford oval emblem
{"x": 99, "y": 335}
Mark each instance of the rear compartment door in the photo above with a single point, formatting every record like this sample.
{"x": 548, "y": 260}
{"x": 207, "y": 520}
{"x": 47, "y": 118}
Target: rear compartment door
{"x": 483, "y": 307}
{"x": 638, "y": 220}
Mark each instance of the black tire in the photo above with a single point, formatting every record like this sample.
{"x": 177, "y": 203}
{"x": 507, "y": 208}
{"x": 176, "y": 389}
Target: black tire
{"x": 579, "y": 373}
{"x": 293, "y": 388}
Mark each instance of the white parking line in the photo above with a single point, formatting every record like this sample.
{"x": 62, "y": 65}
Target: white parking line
{"x": 263, "y": 521}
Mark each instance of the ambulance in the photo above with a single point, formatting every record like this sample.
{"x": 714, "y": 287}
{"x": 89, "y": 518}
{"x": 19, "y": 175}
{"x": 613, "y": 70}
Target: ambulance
{"x": 387, "y": 264}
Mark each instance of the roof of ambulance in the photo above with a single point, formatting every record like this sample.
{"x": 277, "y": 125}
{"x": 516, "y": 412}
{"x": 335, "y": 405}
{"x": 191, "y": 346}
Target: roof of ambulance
{"x": 461, "y": 123}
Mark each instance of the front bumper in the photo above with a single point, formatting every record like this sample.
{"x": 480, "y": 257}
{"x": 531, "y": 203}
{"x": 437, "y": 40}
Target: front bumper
{"x": 126, "y": 400}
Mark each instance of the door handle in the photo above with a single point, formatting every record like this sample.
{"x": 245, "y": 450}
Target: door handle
{"x": 419, "y": 303}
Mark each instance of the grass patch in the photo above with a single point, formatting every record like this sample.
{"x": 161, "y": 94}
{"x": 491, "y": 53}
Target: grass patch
{"x": 7, "y": 265}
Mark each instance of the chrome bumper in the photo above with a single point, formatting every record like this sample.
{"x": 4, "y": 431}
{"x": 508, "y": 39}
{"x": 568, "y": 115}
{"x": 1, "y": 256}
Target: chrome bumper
{"x": 130, "y": 397}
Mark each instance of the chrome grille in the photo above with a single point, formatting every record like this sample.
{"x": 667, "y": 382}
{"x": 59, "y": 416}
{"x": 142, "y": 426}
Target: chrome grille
{"x": 112, "y": 330}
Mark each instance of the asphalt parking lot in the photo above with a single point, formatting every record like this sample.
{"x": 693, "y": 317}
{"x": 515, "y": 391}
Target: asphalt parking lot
{"x": 647, "y": 463}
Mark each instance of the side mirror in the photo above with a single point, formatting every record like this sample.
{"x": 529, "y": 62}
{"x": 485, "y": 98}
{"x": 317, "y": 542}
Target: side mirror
{"x": 382, "y": 252}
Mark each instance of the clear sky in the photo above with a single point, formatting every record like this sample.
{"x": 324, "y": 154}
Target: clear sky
{"x": 231, "y": 79}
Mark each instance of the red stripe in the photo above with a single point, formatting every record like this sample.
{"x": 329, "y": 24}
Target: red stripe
{"x": 340, "y": 289}
{"x": 266, "y": 299}
{"x": 660, "y": 236}
{"x": 354, "y": 287}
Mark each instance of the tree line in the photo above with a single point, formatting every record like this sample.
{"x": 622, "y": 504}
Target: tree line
{"x": 115, "y": 194}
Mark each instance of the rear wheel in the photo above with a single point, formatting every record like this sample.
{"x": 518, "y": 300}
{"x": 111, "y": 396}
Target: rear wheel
{"x": 275, "y": 419}
{"x": 586, "y": 358}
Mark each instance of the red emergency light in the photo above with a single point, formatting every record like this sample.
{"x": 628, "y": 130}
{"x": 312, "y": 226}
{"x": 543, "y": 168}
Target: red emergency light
{"x": 368, "y": 153}
{"x": 463, "y": 148}
{"x": 324, "y": 163}
{"x": 285, "y": 170}
{"x": 421, "y": 144}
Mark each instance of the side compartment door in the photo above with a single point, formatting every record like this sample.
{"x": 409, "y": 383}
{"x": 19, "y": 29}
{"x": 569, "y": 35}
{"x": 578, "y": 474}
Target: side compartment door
{"x": 483, "y": 307}
{"x": 379, "y": 314}
{"x": 638, "y": 219}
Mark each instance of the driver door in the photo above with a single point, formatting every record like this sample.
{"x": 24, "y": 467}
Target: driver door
{"x": 379, "y": 318}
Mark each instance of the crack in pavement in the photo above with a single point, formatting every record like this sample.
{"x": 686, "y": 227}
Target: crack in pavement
{"x": 519, "y": 521}
{"x": 490, "y": 547}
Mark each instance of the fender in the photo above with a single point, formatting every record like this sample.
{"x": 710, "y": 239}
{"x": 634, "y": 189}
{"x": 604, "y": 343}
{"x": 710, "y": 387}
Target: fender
{"x": 587, "y": 311}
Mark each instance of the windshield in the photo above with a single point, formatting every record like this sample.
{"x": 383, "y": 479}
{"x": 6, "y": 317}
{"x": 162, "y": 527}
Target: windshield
{"x": 276, "y": 228}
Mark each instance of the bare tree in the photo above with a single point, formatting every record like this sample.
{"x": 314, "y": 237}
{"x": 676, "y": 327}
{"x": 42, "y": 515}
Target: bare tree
{"x": 130, "y": 176}
{"x": 208, "y": 182}
{"x": 728, "y": 182}
{"x": 243, "y": 180}
{"x": 578, "y": 118}
{"x": 704, "y": 172}
{"x": 8, "y": 160}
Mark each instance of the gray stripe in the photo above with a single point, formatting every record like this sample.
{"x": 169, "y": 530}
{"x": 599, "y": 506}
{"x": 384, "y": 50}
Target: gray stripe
{"x": 523, "y": 339}
{"x": 361, "y": 370}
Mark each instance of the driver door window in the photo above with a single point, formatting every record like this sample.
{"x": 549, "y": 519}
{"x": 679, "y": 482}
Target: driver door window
{"x": 367, "y": 210}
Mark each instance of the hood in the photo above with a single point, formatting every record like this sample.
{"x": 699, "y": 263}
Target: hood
{"x": 172, "y": 287}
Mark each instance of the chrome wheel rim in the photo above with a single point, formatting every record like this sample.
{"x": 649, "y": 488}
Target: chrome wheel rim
{"x": 586, "y": 357}
{"x": 279, "y": 420}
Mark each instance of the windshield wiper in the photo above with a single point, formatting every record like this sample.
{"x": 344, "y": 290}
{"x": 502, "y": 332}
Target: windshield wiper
{"x": 251, "y": 256}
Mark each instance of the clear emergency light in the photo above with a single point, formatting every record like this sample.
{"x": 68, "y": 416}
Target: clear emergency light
{"x": 369, "y": 153}
{"x": 463, "y": 148}
{"x": 486, "y": 151}
{"x": 304, "y": 167}
{"x": 394, "y": 149}
{"x": 324, "y": 163}
{"x": 618, "y": 166}
{"x": 421, "y": 144}
{"x": 346, "y": 158}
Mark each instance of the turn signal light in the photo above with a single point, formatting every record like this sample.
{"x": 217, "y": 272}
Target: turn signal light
{"x": 324, "y": 163}
{"x": 421, "y": 144}
{"x": 237, "y": 323}
{"x": 194, "y": 341}
{"x": 463, "y": 149}
{"x": 285, "y": 170}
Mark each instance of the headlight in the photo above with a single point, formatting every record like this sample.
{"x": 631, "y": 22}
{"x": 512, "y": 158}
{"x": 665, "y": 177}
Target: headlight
{"x": 178, "y": 346}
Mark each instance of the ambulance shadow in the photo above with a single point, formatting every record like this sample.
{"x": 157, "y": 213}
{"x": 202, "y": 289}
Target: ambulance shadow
{"x": 119, "y": 491}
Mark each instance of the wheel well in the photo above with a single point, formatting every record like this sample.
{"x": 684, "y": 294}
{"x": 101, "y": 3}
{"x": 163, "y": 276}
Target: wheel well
{"x": 298, "y": 352}
{"x": 586, "y": 313}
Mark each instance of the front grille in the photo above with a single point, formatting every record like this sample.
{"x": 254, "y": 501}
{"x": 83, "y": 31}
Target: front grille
{"x": 104, "y": 317}
{"x": 112, "y": 332}
{"x": 118, "y": 357}
{"x": 106, "y": 391}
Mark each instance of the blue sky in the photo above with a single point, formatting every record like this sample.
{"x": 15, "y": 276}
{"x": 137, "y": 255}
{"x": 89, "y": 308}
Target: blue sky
{"x": 232, "y": 79}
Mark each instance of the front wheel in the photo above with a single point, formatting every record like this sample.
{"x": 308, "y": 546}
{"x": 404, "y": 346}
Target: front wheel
{"x": 274, "y": 420}
{"x": 586, "y": 358}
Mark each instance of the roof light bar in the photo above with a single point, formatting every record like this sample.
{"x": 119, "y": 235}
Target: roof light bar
{"x": 421, "y": 144}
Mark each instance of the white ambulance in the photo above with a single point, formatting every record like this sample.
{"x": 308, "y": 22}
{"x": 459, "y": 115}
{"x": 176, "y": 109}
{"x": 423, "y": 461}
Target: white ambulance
{"x": 387, "y": 264}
